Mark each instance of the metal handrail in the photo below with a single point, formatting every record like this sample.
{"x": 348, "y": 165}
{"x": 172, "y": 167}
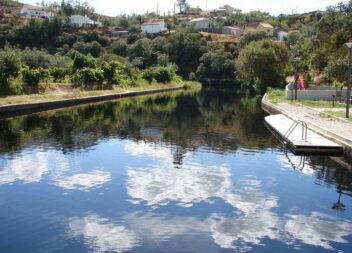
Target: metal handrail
{"x": 294, "y": 126}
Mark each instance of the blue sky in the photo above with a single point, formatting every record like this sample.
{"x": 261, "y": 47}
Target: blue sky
{"x": 114, "y": 7}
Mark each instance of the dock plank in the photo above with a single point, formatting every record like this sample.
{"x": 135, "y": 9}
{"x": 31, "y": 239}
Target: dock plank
{"x": 315, "y": 143}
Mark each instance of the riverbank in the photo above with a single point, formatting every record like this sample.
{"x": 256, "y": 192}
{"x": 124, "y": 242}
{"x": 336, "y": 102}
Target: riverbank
{"x": 333, "y": 128}
{"x": 37, "y": 102}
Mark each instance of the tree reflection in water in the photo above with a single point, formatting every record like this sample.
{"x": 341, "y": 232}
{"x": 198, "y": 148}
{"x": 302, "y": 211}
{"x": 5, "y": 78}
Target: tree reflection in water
{"x": 188, "y": 120}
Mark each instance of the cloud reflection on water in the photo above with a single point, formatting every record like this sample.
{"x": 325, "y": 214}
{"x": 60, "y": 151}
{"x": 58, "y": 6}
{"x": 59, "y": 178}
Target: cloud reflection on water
{"x": 83, "y": 181}
{"x": 102, "y": 236}
{"x": 254, "y": 218}
{"x": 30, "y": 167}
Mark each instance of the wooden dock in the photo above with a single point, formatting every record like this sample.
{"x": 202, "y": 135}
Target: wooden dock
{"x": 299, "y": 138}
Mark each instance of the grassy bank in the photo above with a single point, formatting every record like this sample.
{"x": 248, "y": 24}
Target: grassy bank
{"x": 278, "y": 96}
{"x": 327, "y": 108}
{"x": 67, "y": 91}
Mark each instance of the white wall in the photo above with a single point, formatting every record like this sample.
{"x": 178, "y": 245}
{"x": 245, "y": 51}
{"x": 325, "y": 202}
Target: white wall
{"x": 201, "y": 25}
{"x": 316, "y": 94}
{"x": 154, "y": 28}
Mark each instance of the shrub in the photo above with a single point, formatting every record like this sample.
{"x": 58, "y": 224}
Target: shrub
{"x": 163, "y": 60}
{"x": 58, "y": 74}
{"x": 93, "y": 48}
{"x": 148, "y": 75}
{"x": 32, "y": 77}
{"x": 10, "y": 65}
{"x": 192, "y": 77}
{"x": 89, "y": 76}
{"x": 109, "y": 71}
{"x": 81, "y": 61}
{"x": 40, "y": 58}
{"x": 162, "y": 75}
{"x": 119, "y": 47}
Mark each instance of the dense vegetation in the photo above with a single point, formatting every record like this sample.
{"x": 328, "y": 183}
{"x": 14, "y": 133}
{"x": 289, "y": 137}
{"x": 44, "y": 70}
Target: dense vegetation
{"x": 47, "y": 50}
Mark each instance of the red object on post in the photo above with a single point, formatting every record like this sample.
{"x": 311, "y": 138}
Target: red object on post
{"x": 301, "y": 84}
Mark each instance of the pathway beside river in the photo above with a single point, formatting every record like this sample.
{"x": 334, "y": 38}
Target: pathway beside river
{"x": 317, "y": 117}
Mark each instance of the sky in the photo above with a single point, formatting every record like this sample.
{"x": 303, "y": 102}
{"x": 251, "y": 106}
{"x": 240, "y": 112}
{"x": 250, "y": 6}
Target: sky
{"x": 274, "y": 7}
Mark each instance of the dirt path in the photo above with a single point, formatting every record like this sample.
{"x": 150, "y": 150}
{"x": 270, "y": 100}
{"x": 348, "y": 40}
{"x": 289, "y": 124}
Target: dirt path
{"x": 340, "y": 127}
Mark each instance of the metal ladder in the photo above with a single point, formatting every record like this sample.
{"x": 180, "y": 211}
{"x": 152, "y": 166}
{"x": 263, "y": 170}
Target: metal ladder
{"x": 295, "y": 124}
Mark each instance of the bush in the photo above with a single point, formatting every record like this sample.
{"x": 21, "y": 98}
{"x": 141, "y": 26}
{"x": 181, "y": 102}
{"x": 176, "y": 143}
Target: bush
{"x": 10, "y": 65}
{"x": 58, "y": 74}
{"x": 32, "y": 77}
{"x": 192, "y": 77}
{"x": 109, "y": 71}
{"x": 119, "y": 47}
{"x": 40, "y": 58}
{"x": 148, "y": 75}
{"x": 93, "y": 48}
{"x": 88, "y": 77}
{"x": 162, "y": 75}
{"x": 81, "y": 61}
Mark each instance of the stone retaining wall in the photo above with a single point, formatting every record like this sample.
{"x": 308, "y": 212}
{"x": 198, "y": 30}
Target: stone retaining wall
{"x": 20, "y": 109}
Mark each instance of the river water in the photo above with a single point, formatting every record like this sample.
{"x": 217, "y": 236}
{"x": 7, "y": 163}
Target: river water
{"x": 193, "y": 171}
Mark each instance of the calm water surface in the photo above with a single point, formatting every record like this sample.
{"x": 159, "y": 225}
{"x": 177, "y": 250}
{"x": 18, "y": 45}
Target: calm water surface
{"x": 177, "y": 172}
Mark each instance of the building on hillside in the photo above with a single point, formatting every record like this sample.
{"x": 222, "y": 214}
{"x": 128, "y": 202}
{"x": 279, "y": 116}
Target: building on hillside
{"x": 280, "y": 33}
{"x": 50, "y": 14}
{"x": 201, "y": 24}
{"x": 232, "y": 30}
{"x": 80, "y": 21}
{"x": 32, "y": 11}
{"x": 154, "y": 27}
{"x": 259, "y": 27}
{"x": 120, "y": 34}
{"x": 251, "y": 27}
{"x": 267, "y": 28}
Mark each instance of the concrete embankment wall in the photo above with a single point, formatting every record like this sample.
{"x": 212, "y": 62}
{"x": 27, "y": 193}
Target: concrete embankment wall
{"x": 20, "y": 109}
{"x": 271, "y": 108}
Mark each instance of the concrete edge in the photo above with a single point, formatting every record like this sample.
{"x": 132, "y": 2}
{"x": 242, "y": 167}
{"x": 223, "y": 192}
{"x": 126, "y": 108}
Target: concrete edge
{"x": 271, "y": 108}
{"x": 13, "y": 108}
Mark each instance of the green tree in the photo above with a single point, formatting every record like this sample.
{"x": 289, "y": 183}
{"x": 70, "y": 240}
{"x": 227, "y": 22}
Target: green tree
{"x": 263, "y": 63}
{"x": 32, "y": 77}
{"x": 142, "y": 50}
{"x": 81, "y": 61}
{"x": 10, "y": 65}
{"x": 119, "y": 47}
{"x": 109, "y": 71}
{"x": 217, "y": 64}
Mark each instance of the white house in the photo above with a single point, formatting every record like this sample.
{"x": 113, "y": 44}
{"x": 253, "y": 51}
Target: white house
{"x": 201, "y": 24}
{"x": 282, "y": 35}
{"x": 154, "y": 27}
{"x": 81, "y": 21}
{"x": 32, "y": 11}
{"x": 232, "y": 30}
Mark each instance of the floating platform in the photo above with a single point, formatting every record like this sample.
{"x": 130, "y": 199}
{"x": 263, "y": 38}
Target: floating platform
{"x": 300, "y": 139}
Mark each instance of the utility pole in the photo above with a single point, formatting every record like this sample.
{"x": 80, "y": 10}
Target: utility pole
{"x": 348, "y": 96}
{"x": 297, "y": 59}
